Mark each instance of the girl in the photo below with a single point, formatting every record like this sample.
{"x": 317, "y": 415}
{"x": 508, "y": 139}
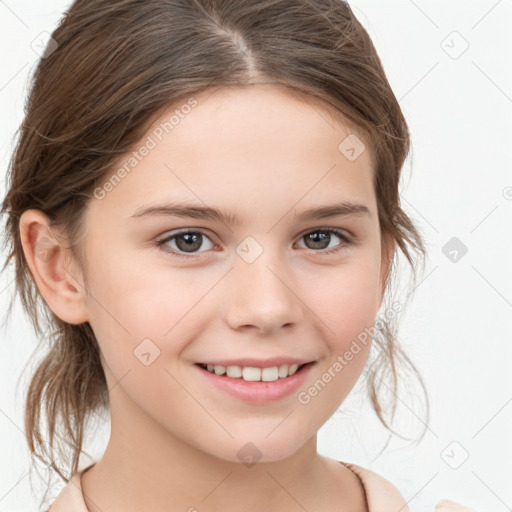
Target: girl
{"x": 204, "y": 200}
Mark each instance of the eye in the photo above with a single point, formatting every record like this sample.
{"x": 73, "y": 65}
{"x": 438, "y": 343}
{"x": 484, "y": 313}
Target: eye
{"x": 322, "y": 238}
{"x": 185, "y": 241}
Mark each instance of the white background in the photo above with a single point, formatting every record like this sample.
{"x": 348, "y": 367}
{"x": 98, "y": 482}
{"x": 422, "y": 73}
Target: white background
{"x": 456, "y": 329}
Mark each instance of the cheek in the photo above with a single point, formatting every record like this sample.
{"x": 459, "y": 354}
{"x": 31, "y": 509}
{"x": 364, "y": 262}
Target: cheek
{"x": 346, "y": 299}
{"x": 140, "y": 327}
{"x": 347, "y": 302}
{"x": 144, "y": 315}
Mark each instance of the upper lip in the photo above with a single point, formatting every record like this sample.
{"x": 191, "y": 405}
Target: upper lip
{"x": 259, "y": 363}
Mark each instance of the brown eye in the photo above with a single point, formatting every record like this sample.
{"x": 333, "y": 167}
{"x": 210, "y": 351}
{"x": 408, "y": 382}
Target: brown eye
{"x": 184, "y": 242}
{"x": 321, "y": 239}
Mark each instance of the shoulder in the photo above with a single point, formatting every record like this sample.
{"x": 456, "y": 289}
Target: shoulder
{"x": 70, "y": 499}
{"x": 383, "y": 496}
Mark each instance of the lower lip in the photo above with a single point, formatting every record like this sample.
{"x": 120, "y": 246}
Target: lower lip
{"x": 258, "y": 392}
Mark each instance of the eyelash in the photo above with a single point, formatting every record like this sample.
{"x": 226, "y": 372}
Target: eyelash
{"x": 346, "y": 241}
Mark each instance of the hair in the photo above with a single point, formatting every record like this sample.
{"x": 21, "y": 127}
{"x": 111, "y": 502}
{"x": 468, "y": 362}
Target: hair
{"x": 115, "y": 67}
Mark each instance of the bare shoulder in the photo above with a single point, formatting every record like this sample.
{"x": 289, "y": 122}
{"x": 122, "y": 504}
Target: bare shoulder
{"x": 345, "y": 487}
{"x": 380, "y": 492}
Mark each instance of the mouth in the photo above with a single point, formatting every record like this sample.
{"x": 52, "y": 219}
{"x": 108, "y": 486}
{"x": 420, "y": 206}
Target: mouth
{"x": 255, "y": 385}
{"x": 255, "y": 373}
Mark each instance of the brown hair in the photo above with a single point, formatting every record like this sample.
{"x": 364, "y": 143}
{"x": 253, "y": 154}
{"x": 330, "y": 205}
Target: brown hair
{"x": 117, "y": 65}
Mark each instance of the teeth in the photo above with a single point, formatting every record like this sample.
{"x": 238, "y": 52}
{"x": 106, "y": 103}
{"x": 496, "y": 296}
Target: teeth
{"x": 219, "y": 370}
{"x": 235, "y": 372}
{"x": 252, "y": 374}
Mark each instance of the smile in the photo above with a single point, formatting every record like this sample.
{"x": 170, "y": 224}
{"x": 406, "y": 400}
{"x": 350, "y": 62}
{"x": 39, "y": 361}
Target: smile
{"x": 253, "y": 374}
{"x": 255, "y": 385}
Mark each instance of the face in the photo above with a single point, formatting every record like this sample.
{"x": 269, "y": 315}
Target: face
{"x": 169, "y": 289}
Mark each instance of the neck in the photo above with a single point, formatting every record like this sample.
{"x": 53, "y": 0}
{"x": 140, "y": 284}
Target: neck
{"x": 145, "y": 467}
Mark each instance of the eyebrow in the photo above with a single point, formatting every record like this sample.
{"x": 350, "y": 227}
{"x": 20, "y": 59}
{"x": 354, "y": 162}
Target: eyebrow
{"x": 230, "y": 218}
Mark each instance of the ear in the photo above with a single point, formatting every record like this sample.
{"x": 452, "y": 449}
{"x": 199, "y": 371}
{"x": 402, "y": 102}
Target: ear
{"x": 387, "y": 252}
{"x": 53, "y": 268}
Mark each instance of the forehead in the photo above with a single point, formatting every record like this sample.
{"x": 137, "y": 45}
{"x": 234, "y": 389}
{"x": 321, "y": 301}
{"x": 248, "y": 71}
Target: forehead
{"x": 244, "y": 143}
{"x": 254, "y": 110}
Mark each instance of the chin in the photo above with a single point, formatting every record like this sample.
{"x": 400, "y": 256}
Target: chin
{"x": 250, "y": 453}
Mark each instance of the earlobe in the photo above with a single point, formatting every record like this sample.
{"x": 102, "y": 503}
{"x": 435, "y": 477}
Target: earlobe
{"x": 59, "y": 282}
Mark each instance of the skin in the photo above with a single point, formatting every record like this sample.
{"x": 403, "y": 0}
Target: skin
{"x": 267, "y": 155}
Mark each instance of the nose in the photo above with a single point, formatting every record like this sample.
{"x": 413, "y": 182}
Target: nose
{"x": 262, "y": 296}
